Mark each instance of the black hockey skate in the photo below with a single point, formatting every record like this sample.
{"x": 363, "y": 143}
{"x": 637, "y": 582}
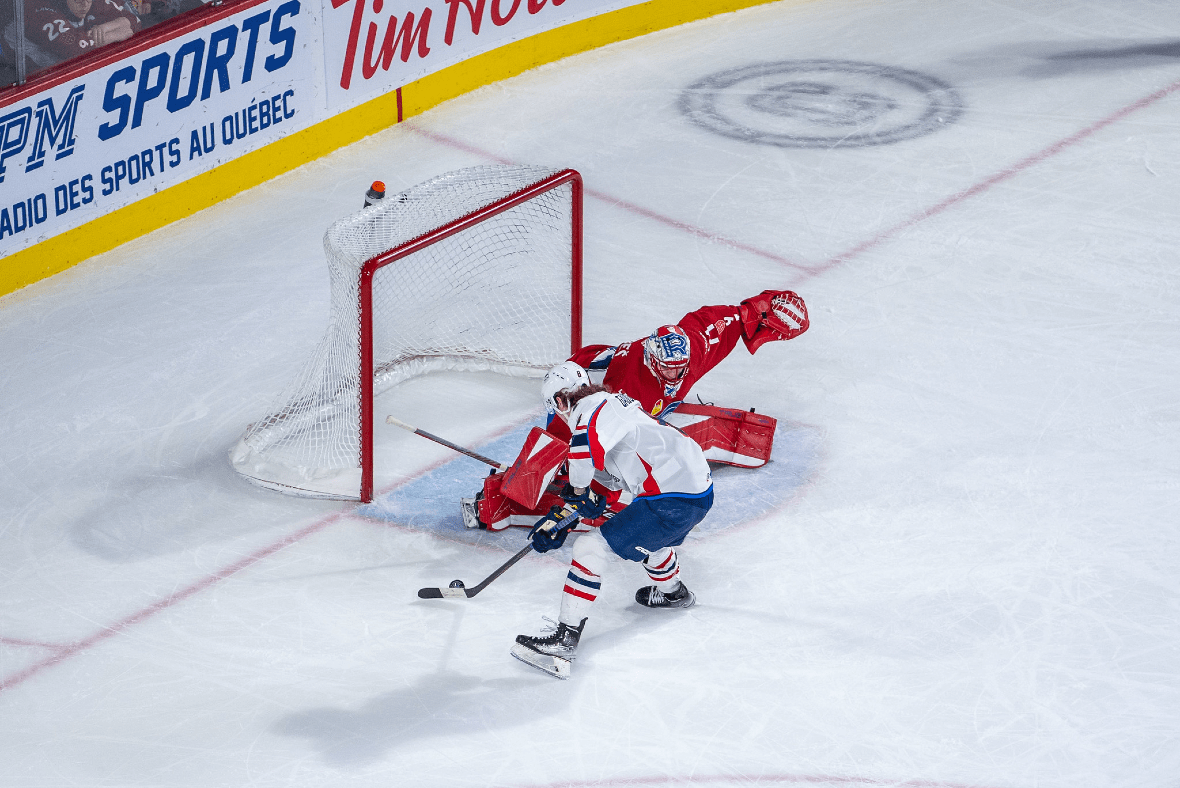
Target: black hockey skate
{"x": 650, "y": 596}
{"x": 551, "y": 653}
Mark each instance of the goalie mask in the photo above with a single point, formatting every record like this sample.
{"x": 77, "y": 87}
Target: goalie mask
{"x": 666, "y": 353}
{"x": 566, "y": 375}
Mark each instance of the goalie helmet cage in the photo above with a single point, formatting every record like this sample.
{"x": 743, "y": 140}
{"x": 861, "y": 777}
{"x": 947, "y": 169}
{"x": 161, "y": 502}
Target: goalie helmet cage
{"x": 477, "y": 269}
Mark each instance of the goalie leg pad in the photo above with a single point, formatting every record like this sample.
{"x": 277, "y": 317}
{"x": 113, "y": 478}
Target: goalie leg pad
{"x": 727, "y": 435}
{"x": 535, "y": 467}
{"x": 497, "y": 511}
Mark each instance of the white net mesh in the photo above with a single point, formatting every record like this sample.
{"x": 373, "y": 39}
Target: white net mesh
{"x": 494, "y": 296}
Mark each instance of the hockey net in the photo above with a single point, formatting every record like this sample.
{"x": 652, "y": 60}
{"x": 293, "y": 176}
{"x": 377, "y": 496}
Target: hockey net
{"x": 477, "y": 269}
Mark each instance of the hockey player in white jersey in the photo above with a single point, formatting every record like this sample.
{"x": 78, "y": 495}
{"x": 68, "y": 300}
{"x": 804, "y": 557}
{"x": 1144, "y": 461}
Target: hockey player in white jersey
{"x": 665, "y": 473}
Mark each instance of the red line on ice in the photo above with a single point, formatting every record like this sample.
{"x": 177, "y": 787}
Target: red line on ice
{"x": 647, "y": 213}
{"x": 999, "y": 177}
{"x": 876, "y": 240}
{"x": 67, "y": 650}
{"x": 28, "y": 643}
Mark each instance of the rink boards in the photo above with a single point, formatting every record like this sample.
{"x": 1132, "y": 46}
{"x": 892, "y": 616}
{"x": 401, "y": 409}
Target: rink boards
{"x": 176, "y": 120}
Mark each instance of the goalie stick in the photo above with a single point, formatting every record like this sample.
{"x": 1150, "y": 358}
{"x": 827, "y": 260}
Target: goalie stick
{"x": 456, "y": 590}
{"x": 430, "y": 436}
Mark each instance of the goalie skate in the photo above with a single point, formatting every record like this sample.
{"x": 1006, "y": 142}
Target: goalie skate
{"x": 470, "y": 510}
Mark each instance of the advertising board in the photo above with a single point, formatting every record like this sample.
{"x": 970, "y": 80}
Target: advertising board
{"x": 136, "y": 135}
{"x": 108, "y": 138}
{"x": 374, "y": 46}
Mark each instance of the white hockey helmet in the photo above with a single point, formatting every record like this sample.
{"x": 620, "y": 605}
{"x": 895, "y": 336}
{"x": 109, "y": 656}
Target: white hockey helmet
{"x": 566, "y": 375}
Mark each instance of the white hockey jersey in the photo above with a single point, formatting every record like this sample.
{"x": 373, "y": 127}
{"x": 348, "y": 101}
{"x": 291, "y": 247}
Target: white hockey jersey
{"x": 612, "y": 434}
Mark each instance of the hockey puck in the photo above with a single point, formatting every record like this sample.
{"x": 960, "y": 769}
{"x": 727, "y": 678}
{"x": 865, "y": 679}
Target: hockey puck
{"x": 457, "y": 584}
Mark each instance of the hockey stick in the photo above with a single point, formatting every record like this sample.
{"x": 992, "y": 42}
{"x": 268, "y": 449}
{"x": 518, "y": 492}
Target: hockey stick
{"x": 460, "y": 592}
{"x": 429, "y": 436}
{"x": 457, "y": 590}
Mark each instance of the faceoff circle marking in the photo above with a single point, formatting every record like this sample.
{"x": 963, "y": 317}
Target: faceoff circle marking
{"x": 821, "y": 104}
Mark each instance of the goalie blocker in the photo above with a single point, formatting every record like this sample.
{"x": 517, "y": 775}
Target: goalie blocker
{"x": 524, "y": 493}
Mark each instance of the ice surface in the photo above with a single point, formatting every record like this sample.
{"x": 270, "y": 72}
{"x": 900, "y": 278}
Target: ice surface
{"x": 960, "y": 570}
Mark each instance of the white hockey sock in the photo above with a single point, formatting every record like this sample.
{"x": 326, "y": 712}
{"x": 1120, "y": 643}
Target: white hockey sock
{"x": 663, "y": 569}
{"x": 584, "y": 578}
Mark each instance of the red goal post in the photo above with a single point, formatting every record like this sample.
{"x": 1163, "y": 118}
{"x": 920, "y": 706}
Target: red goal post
{"x": 571, "y": 177}
{"x": 477, "y": 269}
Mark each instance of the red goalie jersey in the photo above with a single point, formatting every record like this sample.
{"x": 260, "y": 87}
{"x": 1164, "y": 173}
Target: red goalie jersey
{"x": 658, "y": 371}
{"x": 710, "y": 332}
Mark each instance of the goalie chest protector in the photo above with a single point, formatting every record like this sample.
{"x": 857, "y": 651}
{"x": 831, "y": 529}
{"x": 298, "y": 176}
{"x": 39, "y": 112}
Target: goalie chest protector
{"x": 727, "y": 435}
{"x": 534, "y": 468}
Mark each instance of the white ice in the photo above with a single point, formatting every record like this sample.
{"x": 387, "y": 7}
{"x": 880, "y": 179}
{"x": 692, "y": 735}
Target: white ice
{"x": 971, "y": 580}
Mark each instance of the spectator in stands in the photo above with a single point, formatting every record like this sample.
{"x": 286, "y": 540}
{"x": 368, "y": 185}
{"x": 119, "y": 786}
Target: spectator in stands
{"x": 153, "y": 12}
{"x": 62, "y": 29}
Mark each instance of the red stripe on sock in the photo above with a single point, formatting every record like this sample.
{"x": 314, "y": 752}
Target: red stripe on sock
{"x": 578, "y": 592}
{"x": 671, "y": 557}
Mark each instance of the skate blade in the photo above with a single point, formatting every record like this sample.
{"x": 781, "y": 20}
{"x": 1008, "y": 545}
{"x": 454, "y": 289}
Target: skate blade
{"x": 469, "y": 510}
{"x": 557, "y": 667}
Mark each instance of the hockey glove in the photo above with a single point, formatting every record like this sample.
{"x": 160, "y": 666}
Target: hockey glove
{"x": 588, "y": 505}
{"x": 551, "y": 530}
{"x": 772, "y": 315}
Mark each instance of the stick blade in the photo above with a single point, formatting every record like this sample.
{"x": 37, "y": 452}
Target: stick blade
{"x": 444, "y": 593}
{"x": 399, "y": 423}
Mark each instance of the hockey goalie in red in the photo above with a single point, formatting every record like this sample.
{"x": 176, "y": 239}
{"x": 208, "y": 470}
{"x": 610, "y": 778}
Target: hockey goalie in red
{"x": 658, "y": 372}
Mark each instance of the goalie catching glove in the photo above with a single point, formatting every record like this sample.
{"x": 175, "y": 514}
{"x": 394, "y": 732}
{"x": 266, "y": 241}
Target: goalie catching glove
{"x": 551, "y": 530}
{"x": 772, "y": 315}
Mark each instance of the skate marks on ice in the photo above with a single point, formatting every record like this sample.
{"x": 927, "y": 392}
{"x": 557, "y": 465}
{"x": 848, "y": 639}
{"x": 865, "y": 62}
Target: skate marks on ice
{"x": 438, "y": 705}
{"x": 742, "y": 495}
{"x": 821, "y": 104}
